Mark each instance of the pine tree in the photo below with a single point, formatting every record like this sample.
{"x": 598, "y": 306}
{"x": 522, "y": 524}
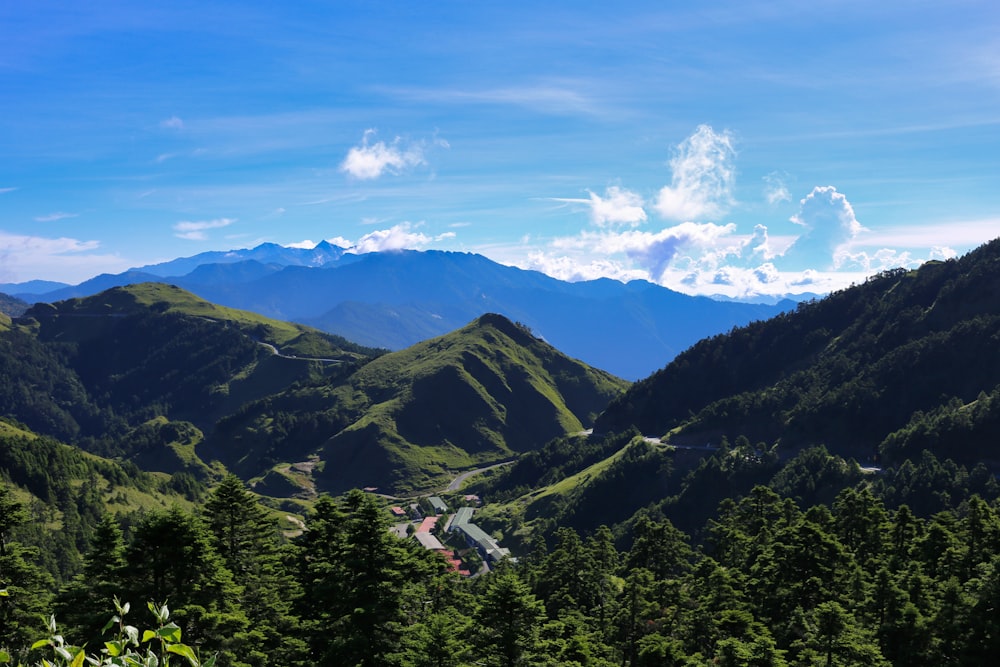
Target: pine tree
{"x": 248, "y": 542}
{"x": 508, "y": 620}
{"x": 24, "y": 587}
{"x": 171, "y": 560}
{"x": 86, "y": 603}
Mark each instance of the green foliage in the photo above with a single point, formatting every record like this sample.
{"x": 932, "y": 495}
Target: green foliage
{"x": 125, "y": 648}
{"x": 906, "y": 361}
{"x": 408, "y": 419}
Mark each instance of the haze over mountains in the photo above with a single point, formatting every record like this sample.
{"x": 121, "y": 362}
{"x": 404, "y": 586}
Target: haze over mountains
{"x": 396, "y": 299}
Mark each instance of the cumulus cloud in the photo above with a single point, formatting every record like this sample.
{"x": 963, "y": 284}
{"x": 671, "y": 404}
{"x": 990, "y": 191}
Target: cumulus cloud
{"x": 64, "y": 259}
{"x": 369, "y": 160}
{"x": 775, "y": 190}
{"x": 829, "y": 225}
{"x": 397, "y": 237}
{"x": 572, "y": 269}
{"x": 195, "y": 230}
{"x": 618, "y": 207}
{"x": 702, "y": 180}
{"x": 766, "y": 273}
{"x": 53, "y": 217}
{"x": 760, "y": 243}
{"x": 942, "y": 252}
{"x": 689, "y": 242}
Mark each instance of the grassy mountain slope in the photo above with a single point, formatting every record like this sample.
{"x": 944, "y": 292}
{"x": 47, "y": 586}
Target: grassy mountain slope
{"x": 403, "y": 421}
{"x": 105, "y": 364}
{"x": 847, "y": 371}
{"x": 68, "y": 490}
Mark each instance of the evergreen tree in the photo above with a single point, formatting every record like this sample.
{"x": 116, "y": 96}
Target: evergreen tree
{"x": 85, "y": 605}
{"x": 170, "y": 559}
{"x": 320, "y": 574}
{"x": 248, "y": 542}
{"x": 507, "y": 621}
{"x": 24, "y": 587}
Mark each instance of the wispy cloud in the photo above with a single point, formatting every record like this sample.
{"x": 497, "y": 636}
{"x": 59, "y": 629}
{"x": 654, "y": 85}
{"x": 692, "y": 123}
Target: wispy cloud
{"x": 561, "y": 97}
{"x": 172, "y": 123}
{"x": 775, "y": 190}
{"x": 950, "y": 232}
{"x": 370, "y": 160}
{"x": 4, "y": 191}
{"x": 53, "y": 217}
{"x": 703, "y": 175}
{"x": 618, "y": 207}
{"x": 195, "y": 230}
{"x": 63, "y": 259}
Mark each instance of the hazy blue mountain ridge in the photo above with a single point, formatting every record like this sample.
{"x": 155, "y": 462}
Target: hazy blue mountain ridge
{"x": 396, "y": 299}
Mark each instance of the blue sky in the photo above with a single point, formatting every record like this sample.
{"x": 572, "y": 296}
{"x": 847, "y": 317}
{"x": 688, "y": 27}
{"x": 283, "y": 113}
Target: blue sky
{"x": 713, "y": 147}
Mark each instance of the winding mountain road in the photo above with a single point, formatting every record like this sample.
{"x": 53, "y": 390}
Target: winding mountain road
{"x": 277, "y": 353}
{"x": 457, "y": 482}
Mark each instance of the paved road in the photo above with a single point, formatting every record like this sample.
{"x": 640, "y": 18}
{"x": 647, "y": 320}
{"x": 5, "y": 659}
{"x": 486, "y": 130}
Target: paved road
{"x": 275, "y": 352}
{"x": 457, "y": 482}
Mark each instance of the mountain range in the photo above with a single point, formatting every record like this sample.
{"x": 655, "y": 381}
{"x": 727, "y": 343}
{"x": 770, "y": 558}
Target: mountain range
{"x": 393, "y": 300}
{"x": 905, "y": 361}
{"x": 163, "y": 380}
{"x": 154, "y": 374}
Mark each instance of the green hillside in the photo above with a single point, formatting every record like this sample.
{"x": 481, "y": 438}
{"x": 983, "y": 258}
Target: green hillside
{"x": 906, "y": 361}
{"x": 68, "y": 490}
{"x": 408, "y": 419}
{"x": 90, "y": 370}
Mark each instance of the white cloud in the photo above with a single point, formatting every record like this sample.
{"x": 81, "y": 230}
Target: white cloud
{"x": 942, "y": 252}
{"x": 572, "y": 269}
{"x": 195, "y": 230}
{"x": 68, "y": 260}
{"x": 767, "y": 273}
{"x": 172, "y": 123}
{"x": 557, "y": 98}
{"x": 302, "y": 245}
{"x": 829, "y": 225}
{"x": 775, "y": 190}
{"x": 397, "y": 237}
{"x": 618, "y": 207}
{"x": 339, "y": 241}
{"x": 705, "y": 244}
{"x": 53, "y": 217}
{"x": 4, "y": 191}
{"x": 369, "y": 161}
{"x": 703, "y": 175}
{"x": 760, "y": 243}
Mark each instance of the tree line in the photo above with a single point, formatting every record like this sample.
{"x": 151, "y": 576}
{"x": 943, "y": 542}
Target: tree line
{"x": 767, "y": 582}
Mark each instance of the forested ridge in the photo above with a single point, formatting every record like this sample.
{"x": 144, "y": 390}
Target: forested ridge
{"x": 747, "y": 535}
{"x": 770, "y": 579}
{"x": 864, "y": 371}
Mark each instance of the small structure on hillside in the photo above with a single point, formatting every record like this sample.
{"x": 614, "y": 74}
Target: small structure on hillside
{"x": 437, "y": 505}
{"x": 428, "y": 541}
{"x": 476, "y": 537}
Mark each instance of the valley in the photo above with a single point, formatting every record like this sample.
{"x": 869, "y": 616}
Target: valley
{"x": 834, "y": 461}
